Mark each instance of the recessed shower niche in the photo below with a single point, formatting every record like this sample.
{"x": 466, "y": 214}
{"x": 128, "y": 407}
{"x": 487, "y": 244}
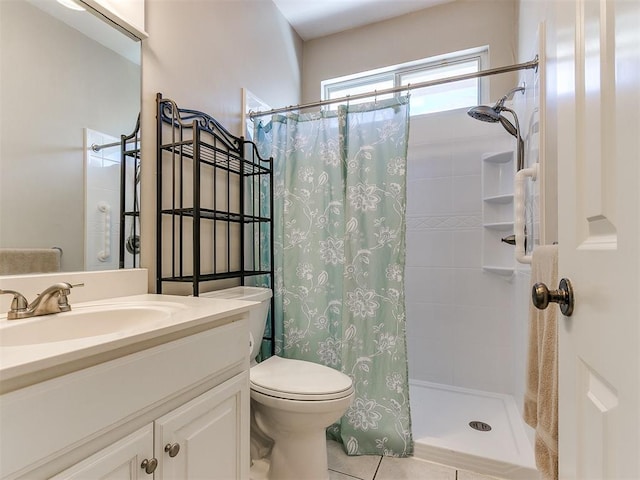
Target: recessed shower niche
{"x": 498, "y": 171}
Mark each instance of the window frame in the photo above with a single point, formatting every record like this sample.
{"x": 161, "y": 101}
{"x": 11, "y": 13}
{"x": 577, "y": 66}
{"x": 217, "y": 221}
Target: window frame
{"x": 396, "y": 73}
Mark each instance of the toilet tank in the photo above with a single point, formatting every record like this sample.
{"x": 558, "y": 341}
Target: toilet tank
{"x": 257, "y": 316}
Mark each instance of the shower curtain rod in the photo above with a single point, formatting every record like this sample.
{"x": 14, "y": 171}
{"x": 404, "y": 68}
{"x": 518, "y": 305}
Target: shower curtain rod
{"x": 456, "y": 78}
{"x": 96, "y": 148}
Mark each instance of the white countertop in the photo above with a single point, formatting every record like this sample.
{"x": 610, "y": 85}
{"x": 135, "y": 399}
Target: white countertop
{"x": 26, "y": 364}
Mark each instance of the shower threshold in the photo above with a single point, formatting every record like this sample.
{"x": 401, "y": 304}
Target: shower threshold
{"x": 442, "y": 419}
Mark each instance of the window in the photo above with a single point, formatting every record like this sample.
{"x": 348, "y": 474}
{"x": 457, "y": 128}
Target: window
{"x": 437, "y": 98}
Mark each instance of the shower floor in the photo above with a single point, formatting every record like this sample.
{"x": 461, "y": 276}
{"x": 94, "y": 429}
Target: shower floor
{"x": 441, "y": 431}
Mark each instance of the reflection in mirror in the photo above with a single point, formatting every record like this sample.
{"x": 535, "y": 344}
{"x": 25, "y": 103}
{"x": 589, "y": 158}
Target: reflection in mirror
{"x": 60, "y": 92}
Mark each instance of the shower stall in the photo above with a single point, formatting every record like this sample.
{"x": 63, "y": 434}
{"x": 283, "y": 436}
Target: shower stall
{"x": 467, "y": 299}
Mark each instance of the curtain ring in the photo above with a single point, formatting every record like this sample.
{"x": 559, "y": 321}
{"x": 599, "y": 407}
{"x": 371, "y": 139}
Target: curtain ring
{"x": 375, "y": 97}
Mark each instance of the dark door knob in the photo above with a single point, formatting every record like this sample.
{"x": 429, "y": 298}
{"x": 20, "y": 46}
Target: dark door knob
{"x": 542, "y": 296}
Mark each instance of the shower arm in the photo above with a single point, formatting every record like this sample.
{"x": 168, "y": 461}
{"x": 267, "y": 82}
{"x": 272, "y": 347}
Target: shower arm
{"x": 500, "y": 103}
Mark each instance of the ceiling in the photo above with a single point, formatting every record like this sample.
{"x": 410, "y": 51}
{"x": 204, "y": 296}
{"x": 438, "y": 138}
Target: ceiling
{"x": 317, "y": 18}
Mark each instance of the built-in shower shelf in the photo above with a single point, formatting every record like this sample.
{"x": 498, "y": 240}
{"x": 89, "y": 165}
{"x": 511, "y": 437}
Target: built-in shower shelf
{"x": 498, "y": 171}
{"x": 504, "y": 271}
{"x": 498, "y": 157}
{"x": 503, "y": 226}
{"x": 506, "y": 198}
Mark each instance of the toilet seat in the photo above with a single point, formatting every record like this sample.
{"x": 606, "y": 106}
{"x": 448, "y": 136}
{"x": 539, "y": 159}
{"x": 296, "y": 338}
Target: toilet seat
{"x": 292, "y": 379}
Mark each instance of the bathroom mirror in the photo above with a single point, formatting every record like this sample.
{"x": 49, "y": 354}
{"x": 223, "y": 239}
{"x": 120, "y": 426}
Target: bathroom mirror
{"x": 68, "y": 79}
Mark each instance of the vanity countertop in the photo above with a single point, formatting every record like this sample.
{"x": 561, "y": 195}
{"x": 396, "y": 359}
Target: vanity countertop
{"x": 26, "y": 363}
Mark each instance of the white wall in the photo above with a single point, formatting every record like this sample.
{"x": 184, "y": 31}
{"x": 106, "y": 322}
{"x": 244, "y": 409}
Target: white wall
{"x": 441, "y": 29}
{"x": 200, "y": 54}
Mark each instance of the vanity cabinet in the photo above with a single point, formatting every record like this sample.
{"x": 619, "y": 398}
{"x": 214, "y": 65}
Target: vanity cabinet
{"x": 119, "y": 461}
{"x": 209, "y": 433}
{"x": 105, "y": 420}
{"x": 201, "y": 439}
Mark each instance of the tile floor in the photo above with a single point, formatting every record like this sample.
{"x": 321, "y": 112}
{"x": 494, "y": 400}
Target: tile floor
{"x": 373, "y": 467}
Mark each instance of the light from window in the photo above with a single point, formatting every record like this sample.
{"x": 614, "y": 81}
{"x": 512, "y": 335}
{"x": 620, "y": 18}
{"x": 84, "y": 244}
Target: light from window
{"x": 437, "y": 98}
{"x": 353, "y": 88}
{"x": 447, "y": 96}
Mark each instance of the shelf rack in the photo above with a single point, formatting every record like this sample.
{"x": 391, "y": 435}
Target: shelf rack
{"x": 214, "y": 203}
{"x": 130, "y": 161}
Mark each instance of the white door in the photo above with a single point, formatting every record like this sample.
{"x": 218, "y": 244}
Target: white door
{"x": 598, "y": 95}
{"x": 120, "y": 461}
{"x": 208, "y": 437}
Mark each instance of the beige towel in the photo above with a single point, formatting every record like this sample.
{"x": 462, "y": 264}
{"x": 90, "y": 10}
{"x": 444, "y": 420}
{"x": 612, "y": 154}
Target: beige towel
{"x": 29, "y": 260}
{"x": 541, "y": 396}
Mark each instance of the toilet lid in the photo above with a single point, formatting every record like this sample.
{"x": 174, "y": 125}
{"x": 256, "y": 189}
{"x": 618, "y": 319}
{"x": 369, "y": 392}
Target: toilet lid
{"x": 299, "y": 380}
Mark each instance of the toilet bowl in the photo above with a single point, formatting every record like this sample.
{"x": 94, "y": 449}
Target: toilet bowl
{"x": 292, "y": 401}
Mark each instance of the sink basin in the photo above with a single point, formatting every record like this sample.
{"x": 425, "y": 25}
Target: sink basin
{"x": 83, "y": 322}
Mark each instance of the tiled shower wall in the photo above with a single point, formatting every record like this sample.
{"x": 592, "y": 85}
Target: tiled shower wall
{"x": 102, "y": 188}
{"x": 460, "y": 319}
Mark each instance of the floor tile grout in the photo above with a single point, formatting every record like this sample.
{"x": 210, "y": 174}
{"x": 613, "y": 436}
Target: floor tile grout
{"x": 346, "y": 474}
{"x": 381, "y": 468}
{"x": 377, "y": 468}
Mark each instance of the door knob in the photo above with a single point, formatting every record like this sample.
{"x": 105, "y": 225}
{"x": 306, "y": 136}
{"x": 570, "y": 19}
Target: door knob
{"x": 542, "y": 296}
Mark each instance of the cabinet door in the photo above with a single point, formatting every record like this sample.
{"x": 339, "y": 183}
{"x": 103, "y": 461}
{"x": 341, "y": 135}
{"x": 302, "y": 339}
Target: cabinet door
{"x": 119, "y": 461}
{"x": 212, "y": 432}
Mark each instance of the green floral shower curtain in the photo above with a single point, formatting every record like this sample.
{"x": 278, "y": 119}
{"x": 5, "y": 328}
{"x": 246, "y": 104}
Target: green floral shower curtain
{"x": 340, "y": 199}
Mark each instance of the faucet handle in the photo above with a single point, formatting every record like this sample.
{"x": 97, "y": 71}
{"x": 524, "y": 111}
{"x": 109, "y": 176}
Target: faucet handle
{"x": 63, "y": 301}
{"x": 63, "y": 287}
{"x": 19, "y": 302}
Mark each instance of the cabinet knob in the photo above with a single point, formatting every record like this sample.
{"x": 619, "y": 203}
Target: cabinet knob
{"x": 149, "y": 465}
{"x": 172, "y": 449}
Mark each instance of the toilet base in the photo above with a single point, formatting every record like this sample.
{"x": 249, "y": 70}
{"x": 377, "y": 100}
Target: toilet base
{"x": 296, "y": 420}
{"x": 301, "y": 456}
{"x": 298, "y": 431}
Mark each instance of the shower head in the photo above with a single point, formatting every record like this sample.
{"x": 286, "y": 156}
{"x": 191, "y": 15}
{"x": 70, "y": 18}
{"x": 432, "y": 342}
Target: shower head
{"x": 484, "y": 114}
{"x": 493, "y": 115}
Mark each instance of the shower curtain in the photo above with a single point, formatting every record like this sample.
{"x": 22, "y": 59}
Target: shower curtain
{"x": 339, "y": 215}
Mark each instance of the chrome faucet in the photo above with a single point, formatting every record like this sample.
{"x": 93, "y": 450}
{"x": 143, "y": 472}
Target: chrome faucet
{"x": 52, "y": 300}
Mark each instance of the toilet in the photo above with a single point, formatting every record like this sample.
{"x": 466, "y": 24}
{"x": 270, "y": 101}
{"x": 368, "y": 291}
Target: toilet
{"x": 292, "y": 401}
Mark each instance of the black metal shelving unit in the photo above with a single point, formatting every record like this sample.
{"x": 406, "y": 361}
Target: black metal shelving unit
{"x": 214, "y": 203}
{"x": 130, "y": 160}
